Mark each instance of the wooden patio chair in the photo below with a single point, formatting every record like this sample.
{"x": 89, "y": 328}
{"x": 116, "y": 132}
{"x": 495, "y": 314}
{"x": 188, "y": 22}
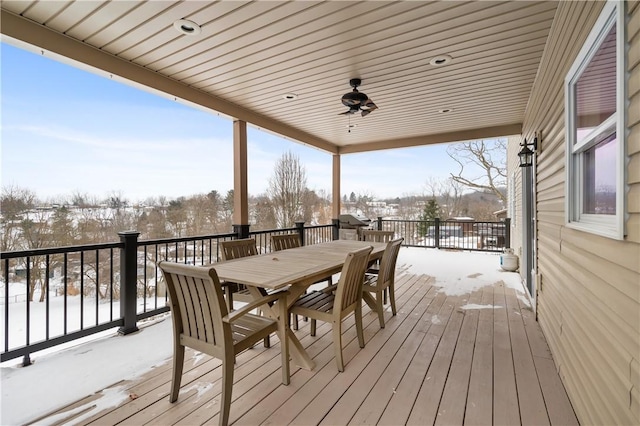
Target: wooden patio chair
{"x": 235, "y": 249}
{"x": 201, "y": 321}
{"x": 385, "y": 279}
{"x": 378, "y": 237}
{"x": 285, "y": 241}
{"x": 333, "y": 307}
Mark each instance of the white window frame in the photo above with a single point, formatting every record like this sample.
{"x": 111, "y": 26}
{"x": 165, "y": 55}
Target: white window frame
{"x": 611, "y": 226}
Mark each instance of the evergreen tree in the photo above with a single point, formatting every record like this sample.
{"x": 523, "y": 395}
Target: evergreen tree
{"x": 430, "y": 213}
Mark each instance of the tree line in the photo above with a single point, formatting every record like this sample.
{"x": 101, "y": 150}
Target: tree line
{"x": 85, "y": 219}
{"x": 80, "y": 219}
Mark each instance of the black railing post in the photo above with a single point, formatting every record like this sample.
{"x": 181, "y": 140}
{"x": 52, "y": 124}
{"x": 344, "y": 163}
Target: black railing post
{"x": 507, "y": 232}
{"x": 336, "y": 228}
{"x": 379, "y": 223}
{"x": 241, "y": 231}
{"x": 128, "y": 281}
{"x": 437, "y": 237}
{"x": 300, "y": 228}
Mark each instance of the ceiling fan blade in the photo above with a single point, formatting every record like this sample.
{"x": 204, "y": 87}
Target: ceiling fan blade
{"x": 369, "y": 104}
{"x": 351, "y": 111}
{"x": 370, "y": 107}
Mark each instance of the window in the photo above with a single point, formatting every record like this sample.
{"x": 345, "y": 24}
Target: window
{"x": 595, "y": 129}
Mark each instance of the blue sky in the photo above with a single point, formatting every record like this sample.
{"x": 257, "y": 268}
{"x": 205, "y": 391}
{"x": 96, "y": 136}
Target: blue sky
{"x": 66, "y": 130}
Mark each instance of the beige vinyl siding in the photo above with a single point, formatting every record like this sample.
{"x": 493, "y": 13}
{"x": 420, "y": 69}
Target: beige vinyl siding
{"x": 588, "y": 298}
{"x": 513, "y": 146}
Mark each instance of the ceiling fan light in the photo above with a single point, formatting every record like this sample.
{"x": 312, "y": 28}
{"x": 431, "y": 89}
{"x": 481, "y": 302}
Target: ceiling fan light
{"x": 354, "y": 98}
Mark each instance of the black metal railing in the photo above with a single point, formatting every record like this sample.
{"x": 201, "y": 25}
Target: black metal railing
{"x": 451, "y": 234}
{"x": 87, "y": 289}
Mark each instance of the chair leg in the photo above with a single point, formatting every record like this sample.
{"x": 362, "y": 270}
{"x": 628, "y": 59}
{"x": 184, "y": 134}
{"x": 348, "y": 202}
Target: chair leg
{"x": 313, "y": 327}
{"x": 384, "y": 293}
{"x": 283, "y": 328}
{"x": 337, "y": 343}
{"x": 178, "y": 364}
{"x": 359, "y": 328}
{"x": 392, "y": 299}
{"x": 380, "y": 308}
{"x": 267, "y": 342}
{"x": 229, "y": 296}
{"x": 227, "y": 387}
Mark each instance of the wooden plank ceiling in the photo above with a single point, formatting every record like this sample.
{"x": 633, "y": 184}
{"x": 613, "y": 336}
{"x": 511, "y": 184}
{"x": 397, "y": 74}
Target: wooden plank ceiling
{"x": 249, "y": 55}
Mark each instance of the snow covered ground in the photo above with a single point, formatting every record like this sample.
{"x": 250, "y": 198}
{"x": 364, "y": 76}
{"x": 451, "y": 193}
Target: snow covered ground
{"x": 63, "y": 376}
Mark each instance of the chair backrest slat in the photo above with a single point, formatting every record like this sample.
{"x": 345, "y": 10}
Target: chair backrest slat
{"x": 377, "y": 236}
{"x": 235, "y": 249}
{"x": 285, "y": 241}
{"x": 349, "y": 290}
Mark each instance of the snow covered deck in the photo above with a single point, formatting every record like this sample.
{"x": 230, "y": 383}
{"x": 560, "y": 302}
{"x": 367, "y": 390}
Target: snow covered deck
{"x": 464, "y": 348}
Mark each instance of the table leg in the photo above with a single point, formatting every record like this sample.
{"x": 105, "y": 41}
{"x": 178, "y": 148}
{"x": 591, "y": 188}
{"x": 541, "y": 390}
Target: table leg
{"x": 299, "y": 355}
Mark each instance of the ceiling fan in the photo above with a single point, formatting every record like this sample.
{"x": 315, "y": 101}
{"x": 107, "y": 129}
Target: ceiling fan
{"x": 357, "y": 101}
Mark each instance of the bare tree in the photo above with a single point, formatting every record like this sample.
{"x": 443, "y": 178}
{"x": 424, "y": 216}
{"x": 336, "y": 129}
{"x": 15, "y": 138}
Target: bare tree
{"x": 448, "y": 193}
{"x": 15, "y": 202}
{"x": 263, "y": 212}
{"x": 322, "y": 210}
{"x": 287, "y": 188}
{"x": 364, "y": 206}
{"x": 490, "y": 157}
{"x": 408, "y": 207}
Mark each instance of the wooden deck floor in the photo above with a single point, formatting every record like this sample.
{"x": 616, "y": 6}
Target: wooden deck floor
{"x": 434, "y": 363}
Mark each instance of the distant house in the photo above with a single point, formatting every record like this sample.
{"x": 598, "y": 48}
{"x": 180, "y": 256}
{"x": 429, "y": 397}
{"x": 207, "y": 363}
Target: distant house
{"x": 500, "y": 214}
{"x": 446, "y": 231}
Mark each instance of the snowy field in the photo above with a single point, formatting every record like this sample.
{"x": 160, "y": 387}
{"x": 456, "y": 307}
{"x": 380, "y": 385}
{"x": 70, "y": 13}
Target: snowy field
{"x": 66, "y": 375}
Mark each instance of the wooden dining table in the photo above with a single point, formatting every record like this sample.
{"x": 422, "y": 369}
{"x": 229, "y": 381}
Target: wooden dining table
{"x": 297, "y": 269}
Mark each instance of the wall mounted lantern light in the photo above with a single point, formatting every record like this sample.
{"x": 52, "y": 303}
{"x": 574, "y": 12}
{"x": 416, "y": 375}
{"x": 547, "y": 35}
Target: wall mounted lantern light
{"x": 526, "y": 154}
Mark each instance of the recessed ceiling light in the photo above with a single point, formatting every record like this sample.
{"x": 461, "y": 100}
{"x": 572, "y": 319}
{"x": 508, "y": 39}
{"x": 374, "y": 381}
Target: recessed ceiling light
{"x": 187, "y": 27}
{"x": 445, "y": 110}
{"x": 290, "y": 96}
{"x": 440, "y": 60}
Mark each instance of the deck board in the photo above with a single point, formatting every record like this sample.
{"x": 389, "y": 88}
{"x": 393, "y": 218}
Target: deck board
{"x": 454, "y": 398}
{"x": 434, "y": 362}
{"x": 532, "y": 410}
{"x": 425, "y": 409}
{"x": 399, "y": 407}
{"x": 505, "y": 394}
{"x": 479, "y": 404}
